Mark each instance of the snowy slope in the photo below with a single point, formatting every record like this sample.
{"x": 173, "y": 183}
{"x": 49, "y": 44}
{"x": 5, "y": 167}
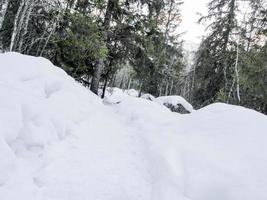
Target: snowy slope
{"x": 58, "y": 141}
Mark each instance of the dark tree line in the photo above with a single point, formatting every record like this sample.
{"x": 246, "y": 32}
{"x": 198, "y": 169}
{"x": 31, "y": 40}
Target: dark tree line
{"x": 231, "y": 63}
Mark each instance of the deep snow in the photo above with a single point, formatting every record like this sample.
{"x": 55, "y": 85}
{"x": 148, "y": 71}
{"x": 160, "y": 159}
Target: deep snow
{"x": 58, "y": 141}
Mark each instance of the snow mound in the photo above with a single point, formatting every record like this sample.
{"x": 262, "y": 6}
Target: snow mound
{"x": 141, "y": 110}
{"x": 59, "y": 141}
{"x": 132, "y": 92}
{"x": 148, "y": 97}
{"x": 174, "y": 101}
{"x": 115, "y": 95}
{"x": 218, "y": 152}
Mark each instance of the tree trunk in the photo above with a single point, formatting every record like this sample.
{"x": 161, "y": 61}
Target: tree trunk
{"x": 192, "y": 85}
{"x": 21, "y": 22}
{"x": 236, "y": 72}
{"x": 140, "y": 89}
{"x": 100, "y": 63}
{"x": 129, "y": 83}
{"x": 104, "y": 88}
{"x": 28, "y": 8}
{"x": 230, "y": 92}
{"x": 171, "y": 88}
{"x": 3, "y": 9}
{"x": 160, "y": 90}
{"x": 97, "y": 75}
{"x": 122, "y": 82}
{"x": 15, "y": 26}
{"x": 226, "y": 37}
{"x": 113, "y": 79}
{"x": 236, "y": 78}
{"x": 166, "y": 89}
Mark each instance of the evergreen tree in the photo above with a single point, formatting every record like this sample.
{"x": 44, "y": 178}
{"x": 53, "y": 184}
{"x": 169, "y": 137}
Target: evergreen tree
{"x": 214, "y": 67}
{"x": 231, "y": 56}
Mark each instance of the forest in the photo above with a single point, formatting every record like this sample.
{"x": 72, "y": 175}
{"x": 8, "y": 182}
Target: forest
{"x": 137, "y": 44}
{"x": 133, "y": 99}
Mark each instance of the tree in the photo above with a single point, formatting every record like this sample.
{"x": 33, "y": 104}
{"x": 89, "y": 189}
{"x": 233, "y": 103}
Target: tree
{"x": 94, "y": 39}
{"x": 214, "y": 67}
{"x": 78, "y": 45}
{"x": 253, "y": 78}
{"x": 110, "y": 12}
{"x": 231, "y": 53}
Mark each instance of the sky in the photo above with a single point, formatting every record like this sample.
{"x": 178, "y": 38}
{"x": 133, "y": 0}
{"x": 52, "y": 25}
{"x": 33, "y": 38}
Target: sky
{"x": 193, "y": 31}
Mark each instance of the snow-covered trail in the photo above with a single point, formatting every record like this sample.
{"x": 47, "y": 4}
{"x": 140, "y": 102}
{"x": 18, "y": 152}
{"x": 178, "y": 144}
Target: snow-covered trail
{"x": 58, "y": 141}
{"x": 105, "y": 165}
{"x": 215, "y": 153}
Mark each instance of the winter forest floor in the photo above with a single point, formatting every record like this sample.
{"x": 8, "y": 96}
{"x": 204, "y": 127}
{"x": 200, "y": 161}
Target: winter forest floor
{"x": 59, "y": 141}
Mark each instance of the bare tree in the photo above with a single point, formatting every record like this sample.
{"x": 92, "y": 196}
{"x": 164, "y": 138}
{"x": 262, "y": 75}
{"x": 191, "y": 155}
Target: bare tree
{"x": 16, "y": 25}
{"x": 25, "y": 23}
{"x": 3, "y": 9}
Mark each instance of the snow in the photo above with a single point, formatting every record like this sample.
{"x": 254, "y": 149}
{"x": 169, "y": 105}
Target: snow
{"x": 116, "y": 95}
{"x": 148, "y": 97}
{"x": 174, "y": 101}
{"x": 113, "y": 96}
{"x": 59, "y": 141}
{"x": 132, "y": 92}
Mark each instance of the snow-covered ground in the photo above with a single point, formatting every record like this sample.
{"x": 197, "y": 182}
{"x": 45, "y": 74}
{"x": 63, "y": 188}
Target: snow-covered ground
{"x": 58, "y": 141}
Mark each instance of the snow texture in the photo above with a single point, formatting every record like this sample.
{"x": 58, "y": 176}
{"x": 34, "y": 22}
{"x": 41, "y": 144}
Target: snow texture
{"x": 58, "y": 141}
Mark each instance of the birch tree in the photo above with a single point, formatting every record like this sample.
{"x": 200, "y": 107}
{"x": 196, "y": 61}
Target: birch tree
{"x": 16, "y": 25}
{"x": 3, "y": 9}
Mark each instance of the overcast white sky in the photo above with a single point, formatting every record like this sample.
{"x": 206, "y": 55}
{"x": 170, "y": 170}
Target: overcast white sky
{"x": 190, "y": 8}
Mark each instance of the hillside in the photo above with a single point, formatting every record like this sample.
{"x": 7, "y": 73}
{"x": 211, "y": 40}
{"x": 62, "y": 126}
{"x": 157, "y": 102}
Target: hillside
{"x": 58, "y": 141}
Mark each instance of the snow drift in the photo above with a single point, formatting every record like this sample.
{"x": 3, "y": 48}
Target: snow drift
{"x": 59, "y": 141}
{"x": 175, "y": 102}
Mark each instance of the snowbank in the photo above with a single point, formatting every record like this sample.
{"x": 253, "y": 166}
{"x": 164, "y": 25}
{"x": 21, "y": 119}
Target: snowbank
{"x": 132, "y": 92}
{"x": 218, "y": 152}
{"x": 174, "y": 101}
{"x": 115, "y": 95}
{"x": 148, "y": 97}
{"x": 58, "y": 141}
